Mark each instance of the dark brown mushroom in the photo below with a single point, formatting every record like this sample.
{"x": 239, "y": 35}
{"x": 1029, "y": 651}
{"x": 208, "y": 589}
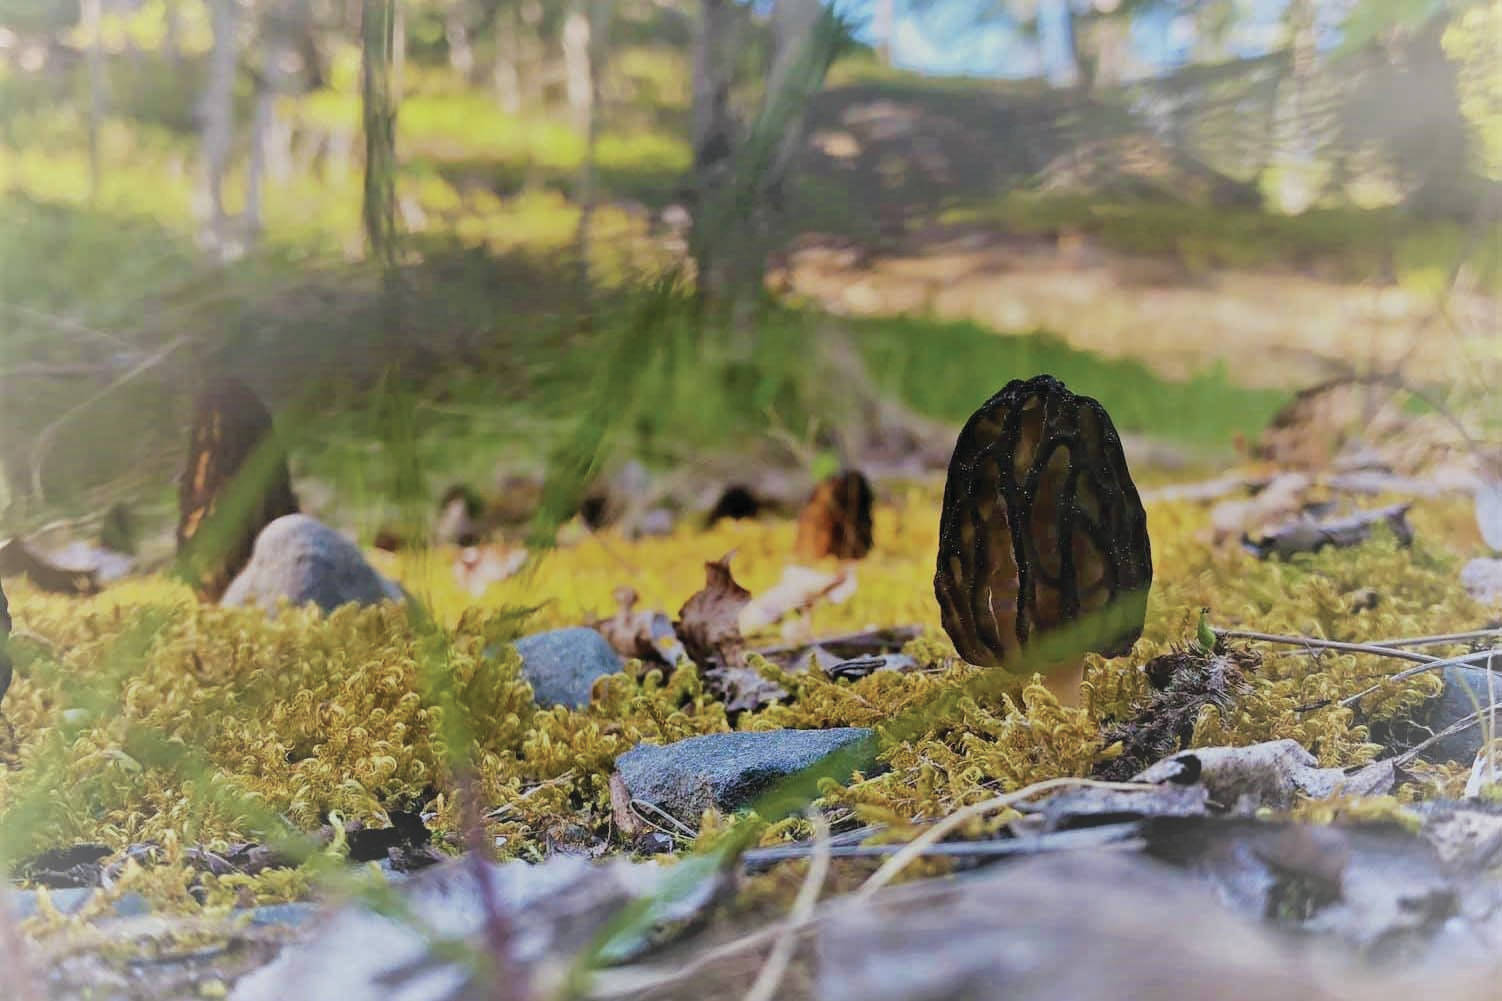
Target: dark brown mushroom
{"x": 836, "y": 521}
{"x": 235, "y": 480}
{"x": 1041, "y": 529}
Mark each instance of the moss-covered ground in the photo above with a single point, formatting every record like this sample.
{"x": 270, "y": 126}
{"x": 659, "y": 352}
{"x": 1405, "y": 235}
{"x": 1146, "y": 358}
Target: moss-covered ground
{"x": 141, "y": 716}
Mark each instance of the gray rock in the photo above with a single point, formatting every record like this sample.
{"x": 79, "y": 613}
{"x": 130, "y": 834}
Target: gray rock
{"x": 562, "y": 664}
{"x": 298, "y": 558}
{"x": 1482, "y": 579}
{"x": 1465, "y": 691}
{"x": 729, "y": 770}
{"x": 67, "y": 900}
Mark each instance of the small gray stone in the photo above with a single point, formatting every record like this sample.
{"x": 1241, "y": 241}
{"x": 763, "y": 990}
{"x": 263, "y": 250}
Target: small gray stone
{"x": 289, "y": 915}
{"x": 1482, "y": 578}
{"x": 298, "y": 558}
{"x": 562, "y": 664}
{"x": 727, "y": 770}
{"x": 67, "y": 900}
{"x": 1465, "y": 691}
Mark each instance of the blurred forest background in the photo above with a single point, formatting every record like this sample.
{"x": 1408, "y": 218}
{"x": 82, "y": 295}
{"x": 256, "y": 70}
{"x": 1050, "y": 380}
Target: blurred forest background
{"x": 670, "y": 228}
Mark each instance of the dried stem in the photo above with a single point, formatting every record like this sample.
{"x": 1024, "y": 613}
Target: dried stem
{"x": 1315, "y": 643}
{"x": 915, "y": 848}
{"x": 764, "y": 988}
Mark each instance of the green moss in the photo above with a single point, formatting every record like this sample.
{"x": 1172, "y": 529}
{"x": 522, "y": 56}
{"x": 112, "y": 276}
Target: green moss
{"x": 141, "y": 716}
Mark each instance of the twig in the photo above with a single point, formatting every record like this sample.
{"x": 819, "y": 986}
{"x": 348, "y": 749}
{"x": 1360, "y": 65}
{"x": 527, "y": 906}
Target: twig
{"x": 44, "y": 438}
{"x": 1322, "y": 644}
{"x": 1102, "y": 836}
{"x": 1467, "y": 660}
{"x": 683, "y": 830}
{"x": 506, "y": 808}
{"x": 1441, "y": 639}
{"x": 764, "y": 988}
{"x": 1459, "y": 726}
{"x": 915, "y": 848}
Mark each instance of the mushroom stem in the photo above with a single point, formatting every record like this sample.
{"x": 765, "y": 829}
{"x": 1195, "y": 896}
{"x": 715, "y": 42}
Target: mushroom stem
{"x": 1064, "y": 681}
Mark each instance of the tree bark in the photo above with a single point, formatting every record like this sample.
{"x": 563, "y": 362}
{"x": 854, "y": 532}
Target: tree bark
{"x": 378, "y": 210}
{"x": 713, "y": 140}
{"x": 90, "y": 13}
{"x": 456, "y": 34}
{"x": 218, "y": 122}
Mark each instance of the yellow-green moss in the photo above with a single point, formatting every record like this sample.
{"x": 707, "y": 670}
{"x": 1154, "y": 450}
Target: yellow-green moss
{"x": 140, "y": 715}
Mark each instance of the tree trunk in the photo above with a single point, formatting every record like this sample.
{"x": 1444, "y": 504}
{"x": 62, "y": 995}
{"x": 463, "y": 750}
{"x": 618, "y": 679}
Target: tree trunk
{"x": 713, "y": 140}
{"x": 507, "y": 73}
{"x": 172, "y": 32}
{"x": 90, "y": 14}
{"x": 590, "y": 28}
{"x": 269, "y": 152}
{"x": 456, "y": 35}
{"x": 218, "y": 111}
{"x": 378, "y": 210}
{"x": 883, "y": 23}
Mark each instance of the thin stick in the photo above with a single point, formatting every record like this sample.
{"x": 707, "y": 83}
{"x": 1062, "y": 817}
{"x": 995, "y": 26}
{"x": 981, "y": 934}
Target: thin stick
{"x": 641, "y": 806}
{"x": 764, "y": 988}
{"x": 1322, "y": 644}
{"x": 915, "y": 848}
{"x": 1444, "y": 638}
{"x": 1467, "y": 660}
{"x": 1465, "y": 723}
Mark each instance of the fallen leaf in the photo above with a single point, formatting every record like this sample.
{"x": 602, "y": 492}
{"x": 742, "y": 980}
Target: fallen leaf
{"x": 645, "y": 635}
{"x": 708, "y": 623}
{"x": 799, "y": 590}
{"x": 478, "y": 567}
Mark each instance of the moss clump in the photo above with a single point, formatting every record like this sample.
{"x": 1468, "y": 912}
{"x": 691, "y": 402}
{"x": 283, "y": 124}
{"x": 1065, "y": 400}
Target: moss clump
{"x": 142, "y": 716}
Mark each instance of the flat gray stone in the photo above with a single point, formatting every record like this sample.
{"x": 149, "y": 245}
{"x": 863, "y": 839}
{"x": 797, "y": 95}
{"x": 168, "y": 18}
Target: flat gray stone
{"x": 561, "y": 665}
{"x": 727, "y": 770}
{"x": 299, "y": 558}
{"x": 1482, "y": 579}
{"x": 1465, "y": 691}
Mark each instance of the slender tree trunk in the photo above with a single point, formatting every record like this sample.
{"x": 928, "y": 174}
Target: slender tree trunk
{"x": 268, "y": 153}
{"x": 507, "y": 73}
{"x": 218, "y": 121}
{"x": 90, "y": 13}
{"x": 713, "y": 141}
{"x": 172, "y": 32}
{"x": 883, "y": 23}
{"x": 378, "y": 211}
{"x": 584, "y": 52}
{"x": 456, "y": 34}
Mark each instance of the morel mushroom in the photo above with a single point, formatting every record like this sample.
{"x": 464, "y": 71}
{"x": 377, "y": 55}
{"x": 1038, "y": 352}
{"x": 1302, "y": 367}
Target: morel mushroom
{"x": 236, "y": 478}
{"x": 1042, "y": 529}
{"x": 836, "y": 521}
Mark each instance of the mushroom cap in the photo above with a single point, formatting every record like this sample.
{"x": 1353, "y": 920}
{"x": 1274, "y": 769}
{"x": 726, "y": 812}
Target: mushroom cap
{"x": 836, "y": 521}
{"x": 230, "y": 424}
{"x": 1041, "y": 527}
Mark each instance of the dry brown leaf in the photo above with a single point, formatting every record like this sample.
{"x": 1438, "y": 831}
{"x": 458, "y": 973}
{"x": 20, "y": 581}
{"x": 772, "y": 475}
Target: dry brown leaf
{"x": 645, "y": 635}
{"x": 709, "y": 622}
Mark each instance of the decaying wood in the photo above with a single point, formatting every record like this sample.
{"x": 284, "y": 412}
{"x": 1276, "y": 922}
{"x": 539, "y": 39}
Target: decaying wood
{"x": 1306, "y": 535}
